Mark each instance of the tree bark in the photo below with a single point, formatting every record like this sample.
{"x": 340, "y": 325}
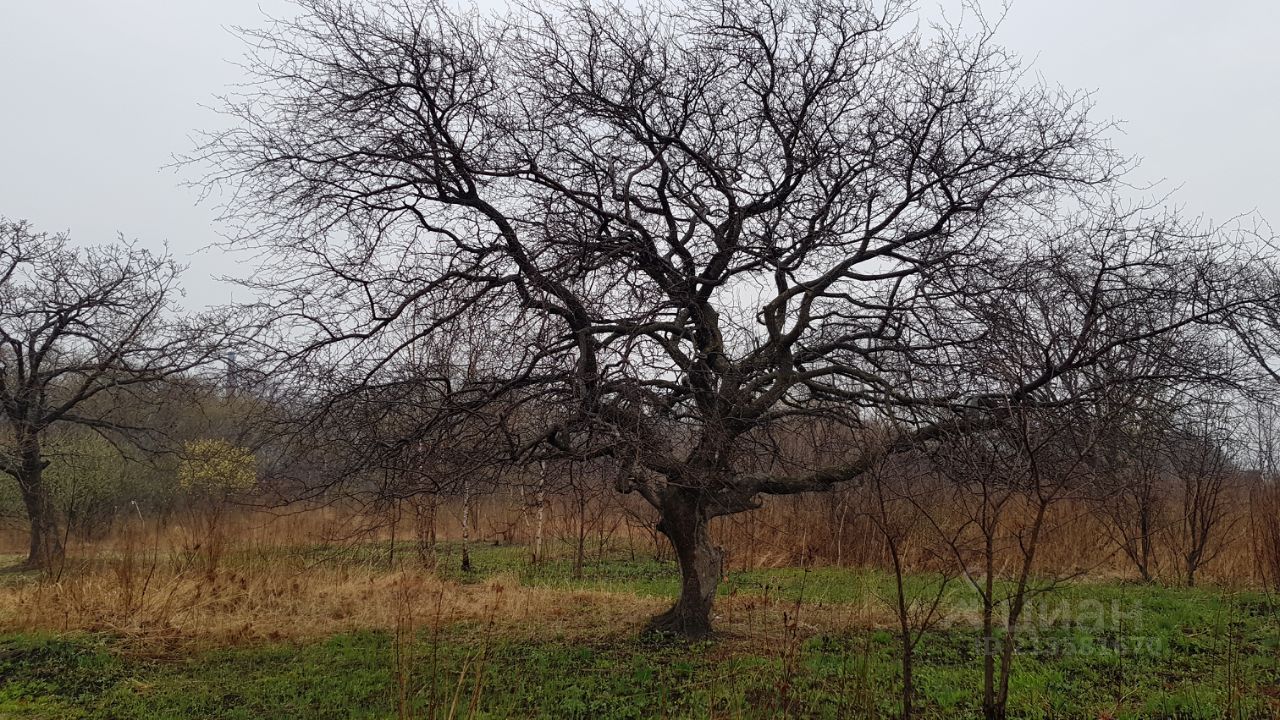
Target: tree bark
{"x": 46, "y": 550}
{"x": 686, "y": 524}
{"x": 466, "y": 528}
{"x": 580, "y": 549}
{"x": 542, "y": 513}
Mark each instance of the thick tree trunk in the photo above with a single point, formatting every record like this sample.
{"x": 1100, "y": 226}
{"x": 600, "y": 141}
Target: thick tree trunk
{"x": 46, "y": 550}
{"x": 686, "y": 523}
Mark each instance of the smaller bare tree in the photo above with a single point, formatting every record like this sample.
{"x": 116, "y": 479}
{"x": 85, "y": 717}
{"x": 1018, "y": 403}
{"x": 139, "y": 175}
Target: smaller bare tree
{"x": 1200, "y": 460}
{"x": 1004, "y": 485}
{"x": 899, "y": 486}
{"x": 1264, "y": 495}
{"x": 1132, "y": 488}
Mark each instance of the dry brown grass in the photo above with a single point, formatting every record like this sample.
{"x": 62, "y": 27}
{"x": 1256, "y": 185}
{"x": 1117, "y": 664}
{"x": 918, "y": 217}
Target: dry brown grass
{"x": 823, "y": 529}
{"x": 164, "y": 582}
{"x": 796, "y": 531}
{"x": 179, "y": 610}
{"x": 150, "y": 585}
{"x": 237, "y": 607}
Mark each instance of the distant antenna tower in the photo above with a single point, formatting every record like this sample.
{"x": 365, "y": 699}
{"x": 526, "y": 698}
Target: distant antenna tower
{"x": 231, "y": 374}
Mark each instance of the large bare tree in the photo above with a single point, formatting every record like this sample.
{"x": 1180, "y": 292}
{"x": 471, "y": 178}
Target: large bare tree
{"x": 83, "y": 332}
{"x": 670, "y": 228}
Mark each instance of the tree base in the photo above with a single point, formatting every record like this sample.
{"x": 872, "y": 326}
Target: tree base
{"x": 24, "y": 566}
{"x": 681, "y": 622}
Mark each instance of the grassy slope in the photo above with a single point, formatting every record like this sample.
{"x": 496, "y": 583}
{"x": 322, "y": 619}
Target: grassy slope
{"x": 1206, "y": 653}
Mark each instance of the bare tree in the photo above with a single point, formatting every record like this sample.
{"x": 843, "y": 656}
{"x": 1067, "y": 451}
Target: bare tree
{"x": 1133, "y": 510}
{"x": 898, "y": 489}
{"x": 402, "y": 439}
{"x": 583, "y": 491}
{"x": 79, "y": 329}
{"x": 670, "y": 229}
{"x": 1199, "y": 454}
{"x": 1132, "y": 488}
{"x": 1011, "y": 462}
{"x": 1263, "y": 492}
{"x": 1006, "y": 485}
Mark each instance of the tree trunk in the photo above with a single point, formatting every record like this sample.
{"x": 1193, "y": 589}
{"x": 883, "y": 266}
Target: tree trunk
{"x": 1144, "y": 542}
{"x": 686, "y": 524}
{"x": 466, "y": 528}
{"x": 904, "y": 625}
{"x": 391, "y": 547}
{"x": 991, "y": 709}
{"x": 540, "y": 525}
{"x": 580, "y": 549}
{"x": 424, "y": 520}
{"x": 908, "y": 684}
{"x": 46, "y": 550}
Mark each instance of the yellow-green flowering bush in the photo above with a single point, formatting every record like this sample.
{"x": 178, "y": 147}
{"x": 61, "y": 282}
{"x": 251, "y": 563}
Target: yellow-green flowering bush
{"x": 216, "y": 467}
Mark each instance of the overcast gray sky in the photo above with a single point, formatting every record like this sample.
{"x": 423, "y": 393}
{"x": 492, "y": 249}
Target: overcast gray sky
{"x": 96, "y": 96}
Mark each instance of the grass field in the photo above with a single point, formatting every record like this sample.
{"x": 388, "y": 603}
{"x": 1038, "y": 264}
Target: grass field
{"x": 319, "y": 632}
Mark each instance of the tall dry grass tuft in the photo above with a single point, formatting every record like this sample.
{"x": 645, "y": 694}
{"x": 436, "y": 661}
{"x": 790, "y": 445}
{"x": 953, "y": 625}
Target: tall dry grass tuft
{"x": 1264, "y": 533}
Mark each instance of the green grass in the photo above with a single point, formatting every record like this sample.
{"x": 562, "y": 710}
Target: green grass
{"x": 1193, "y": 653}
{"x": 353, "y": 676}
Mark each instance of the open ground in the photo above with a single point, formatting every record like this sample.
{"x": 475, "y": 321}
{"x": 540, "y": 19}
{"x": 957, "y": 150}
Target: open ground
{"x": 141, "y": 628}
